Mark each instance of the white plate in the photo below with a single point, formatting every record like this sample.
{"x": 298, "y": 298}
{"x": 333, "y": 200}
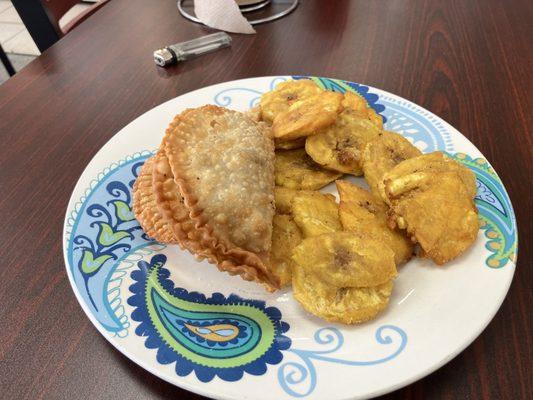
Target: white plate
{"x": 120, "y": 278}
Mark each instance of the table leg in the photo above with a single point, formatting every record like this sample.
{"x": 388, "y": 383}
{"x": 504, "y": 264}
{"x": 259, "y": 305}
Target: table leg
{"x": 7, "y": 64}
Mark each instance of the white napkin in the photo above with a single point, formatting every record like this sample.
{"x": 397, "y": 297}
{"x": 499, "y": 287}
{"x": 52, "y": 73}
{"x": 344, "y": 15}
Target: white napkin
{"x": 222, "y": 14}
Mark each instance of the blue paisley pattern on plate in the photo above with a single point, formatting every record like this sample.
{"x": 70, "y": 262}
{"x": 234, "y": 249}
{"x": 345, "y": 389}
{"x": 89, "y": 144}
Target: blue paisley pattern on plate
{"x": 215, "y": 336}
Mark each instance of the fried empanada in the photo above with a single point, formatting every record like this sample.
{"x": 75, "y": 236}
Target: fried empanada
{"x": 145, "y": 207}
{"x": 346, "y": 259}
{"x": 339, "y": 304}
{"x": 315, "y": 213}
{"x": 284, "y": 95}
{"x": 223, "y": 164}
{"x": 434, "y": 205}
{"x": 381, "y": 154}
{"x": 296, "y": 170}
{"x": 307, "y": 116}
{"x": 285, "y": 237}
{"x": 360, "y": 211}
{"x": 339, "y": 147}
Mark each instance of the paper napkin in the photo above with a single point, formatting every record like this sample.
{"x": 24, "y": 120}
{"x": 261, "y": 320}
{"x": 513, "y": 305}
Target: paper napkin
{"x": 222, "y": 14}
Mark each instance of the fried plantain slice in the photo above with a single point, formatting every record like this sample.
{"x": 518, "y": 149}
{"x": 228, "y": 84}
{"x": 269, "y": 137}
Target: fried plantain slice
{"x": 284, "y": 95}
{"x": 346, "y": 259}
{"x": 315, "y": 213}
{"x": 294, "y": 169}
{"x": 339, "y": 304}
{"x": 354, "y": 101}
{"x": 285, "y": 237}
{"x": 307, "y": 116}
{"x": 358, "y": 103}
{"x": 290, "y": 144}
{"x": 283, "y": 198}
{"x": 382, "y": 154}
{"x": 437, "y": 162}
{"x": 361, "y": 212}
{"x": 340, "y": 146}
{"x": 434, "y": 206}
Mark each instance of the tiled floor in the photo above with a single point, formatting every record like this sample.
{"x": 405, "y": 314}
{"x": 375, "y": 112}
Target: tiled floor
{"x": 15, "y": 39}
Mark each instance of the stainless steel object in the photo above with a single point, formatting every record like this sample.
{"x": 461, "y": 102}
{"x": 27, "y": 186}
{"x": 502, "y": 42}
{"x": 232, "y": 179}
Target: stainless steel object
{"x": 291, "y": 5}
{"x": 193, "y": 48}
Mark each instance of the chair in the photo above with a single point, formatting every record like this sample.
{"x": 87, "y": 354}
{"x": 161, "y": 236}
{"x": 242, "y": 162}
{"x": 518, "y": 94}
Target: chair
{"x": 41, "y": 18}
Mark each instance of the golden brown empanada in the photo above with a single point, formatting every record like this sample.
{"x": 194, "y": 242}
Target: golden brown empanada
{"x": 223, "y": 164}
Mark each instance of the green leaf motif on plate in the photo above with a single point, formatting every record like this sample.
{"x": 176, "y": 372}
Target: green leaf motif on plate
{"x": 123, "y": 211}
{"x": 89, "y": 265}
{"x": 108, "y": 237}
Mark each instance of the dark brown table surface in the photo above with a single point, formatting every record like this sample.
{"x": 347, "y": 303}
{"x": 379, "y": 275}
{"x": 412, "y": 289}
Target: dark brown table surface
{"x": 467, "y": 61}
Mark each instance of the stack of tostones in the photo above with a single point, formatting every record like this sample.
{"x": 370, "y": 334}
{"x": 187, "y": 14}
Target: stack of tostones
{"x": 339, "y": 276}
{"x": 339, "y": 147}
{"x": 334, "y": 128}
{"x": 210, "y": 189}
{"x": 415, "y": 199}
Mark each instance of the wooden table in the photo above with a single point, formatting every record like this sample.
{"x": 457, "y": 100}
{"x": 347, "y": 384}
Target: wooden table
{"x": 467, "y": 61}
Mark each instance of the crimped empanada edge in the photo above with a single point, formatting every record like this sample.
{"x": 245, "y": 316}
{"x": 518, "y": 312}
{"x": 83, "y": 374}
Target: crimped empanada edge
{"x": 145, "y": 209}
